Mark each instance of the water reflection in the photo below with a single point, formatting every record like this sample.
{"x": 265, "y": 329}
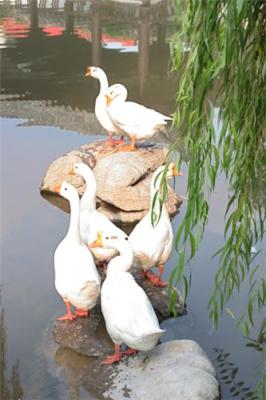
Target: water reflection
{"x": 10, "y": 388}
{"x": 72, "y": 37}
{"x": 82, "y": 374}
{"x": 228, "y": 373}
{"x": 96, "y": 34}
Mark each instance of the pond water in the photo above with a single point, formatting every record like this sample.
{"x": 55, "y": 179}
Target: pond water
{"x": 46, "y": 110}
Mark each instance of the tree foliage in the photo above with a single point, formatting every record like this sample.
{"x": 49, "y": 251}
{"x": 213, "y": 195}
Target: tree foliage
{"x": 225, "y": 62}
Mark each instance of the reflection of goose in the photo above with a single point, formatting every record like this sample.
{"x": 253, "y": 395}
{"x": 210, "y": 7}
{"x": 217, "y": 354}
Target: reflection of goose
{"x": 152, "y": 245}
{"x": 100, "y": 105}
{"x": 136, "y": 121}
{"x": 128, "y": 313}
{"x": 76, "y": 277}
{"x": 90, "y": 220}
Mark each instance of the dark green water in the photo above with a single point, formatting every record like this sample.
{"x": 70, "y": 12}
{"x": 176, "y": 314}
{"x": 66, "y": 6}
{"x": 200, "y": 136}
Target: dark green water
{"x": 47, "y": 109}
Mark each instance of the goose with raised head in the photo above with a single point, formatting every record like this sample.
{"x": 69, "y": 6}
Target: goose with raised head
{"x": 128, "y": 313}
{"x": 76, "y": 278}
{"x": 152, "y": 241}
{"x": 100, "y": 105}
{"x": 135, "y": 120}
{"x": 90, "y": 220}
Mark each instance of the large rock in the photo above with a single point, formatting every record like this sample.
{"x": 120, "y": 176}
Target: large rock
{"x": 123, "y": 180}
{"x": 176, "y": 370}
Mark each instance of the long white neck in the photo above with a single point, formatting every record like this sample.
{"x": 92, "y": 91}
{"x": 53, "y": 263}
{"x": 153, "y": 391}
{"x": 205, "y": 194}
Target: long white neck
{"x": 73, "y": 232}
{"x": 123, "y": 262}
{"x": 88, "y": 200}
{"x": 103, "y": 83}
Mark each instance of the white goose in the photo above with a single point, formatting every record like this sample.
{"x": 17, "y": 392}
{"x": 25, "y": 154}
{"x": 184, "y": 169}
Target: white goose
{"x": 76, "y": 277}
{"x": 92, "y": 221}
{"x": 152, "y": 245}
{"x": 128, "y": 313}
{"x": 136, "y": 121}
{"x": 100, "y": 105}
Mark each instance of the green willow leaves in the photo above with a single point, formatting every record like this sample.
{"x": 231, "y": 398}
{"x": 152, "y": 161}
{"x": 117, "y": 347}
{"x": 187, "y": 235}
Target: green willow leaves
{"x": 219, "y": 55}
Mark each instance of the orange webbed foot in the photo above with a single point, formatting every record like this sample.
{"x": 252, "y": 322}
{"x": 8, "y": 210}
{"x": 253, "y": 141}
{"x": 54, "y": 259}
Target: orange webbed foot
{"x": 111, "y": 359}
{"x": 66, "y": 317}
{"x": 82, "y": 313}
{"x": 127, "y": 148}
{"x": 116, "y": 357}
{"x": 114, "y": 142}
{"x": 130, "y": 352}
{"x": 161, "y": 283}
{"x": 155, "y": 280}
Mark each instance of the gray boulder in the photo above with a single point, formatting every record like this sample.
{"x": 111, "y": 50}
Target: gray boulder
{"x": 176, "y": 370}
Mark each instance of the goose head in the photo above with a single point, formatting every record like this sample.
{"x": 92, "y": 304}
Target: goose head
{"x": 66, "y": 190}
{"x": 172, "y": 171}
{"x": 81, "y": 169}
{"x": 117, "y": 92}
{"x": 110, "y": 241}
{"x": 95, "y": 72}
{"x": 160, "y": 174}
{"x": 124, "y": 261}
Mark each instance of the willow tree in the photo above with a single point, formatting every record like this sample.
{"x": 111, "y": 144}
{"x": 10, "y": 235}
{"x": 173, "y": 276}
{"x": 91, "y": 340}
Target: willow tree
{"x": 222, "y": 44}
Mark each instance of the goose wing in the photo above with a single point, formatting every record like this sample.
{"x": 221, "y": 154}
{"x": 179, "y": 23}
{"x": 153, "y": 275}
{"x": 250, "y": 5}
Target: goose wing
{"x": 133, "y": 114}
{"x": 129, "y": 309}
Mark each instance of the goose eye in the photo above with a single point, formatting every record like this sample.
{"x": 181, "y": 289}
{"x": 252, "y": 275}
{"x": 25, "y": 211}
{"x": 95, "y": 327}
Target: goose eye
{"x": 65, "y": 188}
{"x": 107, "y": 238}
{"x": 126, "y": 238}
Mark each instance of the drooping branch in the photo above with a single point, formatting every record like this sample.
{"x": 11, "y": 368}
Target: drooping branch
{"x": 224, "y": 65}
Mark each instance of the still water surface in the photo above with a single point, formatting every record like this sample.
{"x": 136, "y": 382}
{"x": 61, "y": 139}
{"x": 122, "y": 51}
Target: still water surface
{"x": 47, "y": 109}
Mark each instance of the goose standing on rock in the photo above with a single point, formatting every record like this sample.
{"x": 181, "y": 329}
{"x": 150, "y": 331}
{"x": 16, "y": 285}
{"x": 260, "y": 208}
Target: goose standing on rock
{"x": 128, "y": 313}
{"x": 76, "y": 277}
{"x": 152, "y": 244}
{"x": 100, "y": 106}
{"x": 136, "y": 121}
{"x": 90, "y": 220}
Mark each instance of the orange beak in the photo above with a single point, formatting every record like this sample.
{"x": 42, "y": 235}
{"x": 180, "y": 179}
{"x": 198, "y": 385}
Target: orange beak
{"x": 71, "y": 172}
{"x": 176, "y": 172}
{"x": 108, "y": 100}
{"x": 88, "y": 71}
{"x": 57, "y": 189}
{"x": 98, "y": 242}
